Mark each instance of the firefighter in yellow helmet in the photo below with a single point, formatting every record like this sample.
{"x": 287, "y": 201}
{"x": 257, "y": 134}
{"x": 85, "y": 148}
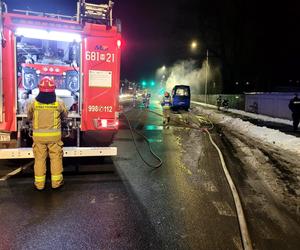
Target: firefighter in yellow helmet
{"x": 166, "y": 104}
{"x": 46, "y": 112}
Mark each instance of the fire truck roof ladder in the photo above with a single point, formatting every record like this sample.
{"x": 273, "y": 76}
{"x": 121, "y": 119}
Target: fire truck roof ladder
{"x": 97, "y": 13}
{"x": 42, "y": 14}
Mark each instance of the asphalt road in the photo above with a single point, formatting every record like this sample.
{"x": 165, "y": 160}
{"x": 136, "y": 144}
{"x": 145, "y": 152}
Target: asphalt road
{"x": 192, "y": 181}
{"x": 92, "y": 211}
{"x": 188, "y": 203}
{"x": 121, "y": 203}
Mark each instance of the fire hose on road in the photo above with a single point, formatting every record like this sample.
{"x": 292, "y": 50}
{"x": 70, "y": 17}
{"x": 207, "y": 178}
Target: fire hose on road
{"x": 246, "y": 240}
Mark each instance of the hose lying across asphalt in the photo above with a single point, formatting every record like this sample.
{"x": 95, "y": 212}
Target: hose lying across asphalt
{"x": 237, "y": 201}
{"x": 16, "y": 171}
{"x": 246, "y": 240}
{"x": 247, "y": 245}
{"x": 160, "y": 162}
{"x": 238, "y": 205}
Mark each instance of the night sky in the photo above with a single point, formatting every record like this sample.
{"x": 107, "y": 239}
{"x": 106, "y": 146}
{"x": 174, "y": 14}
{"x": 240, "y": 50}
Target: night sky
{"x": 256, "y": 41}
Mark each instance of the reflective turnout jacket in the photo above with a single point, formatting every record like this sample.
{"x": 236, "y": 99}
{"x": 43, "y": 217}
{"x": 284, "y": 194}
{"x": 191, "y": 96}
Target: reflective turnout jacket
{"x": 46, "y": 120}
{"x": 166, "y": 102}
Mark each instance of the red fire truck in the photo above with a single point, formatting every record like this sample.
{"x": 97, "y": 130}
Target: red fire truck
{"x": 82, "y": 54}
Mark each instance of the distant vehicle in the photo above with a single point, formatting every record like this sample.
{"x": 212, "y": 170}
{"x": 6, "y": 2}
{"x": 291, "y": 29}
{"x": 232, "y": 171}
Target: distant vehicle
{"x": 181, "y": 97}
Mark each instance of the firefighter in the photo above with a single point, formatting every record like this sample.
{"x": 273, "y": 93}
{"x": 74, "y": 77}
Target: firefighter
{"x": 134, "y": 99}
{"x": 219, "y": 102}
{"x": 225, "y": 103}
{"x": 46, "y": 112}
{"x": 294, "y": 106}
{"x": 166, "y": 104}
{"x": 146, "y": 98}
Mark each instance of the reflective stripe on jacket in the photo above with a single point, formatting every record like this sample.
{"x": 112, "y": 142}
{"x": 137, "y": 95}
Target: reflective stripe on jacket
{"x": 46, "y": 120}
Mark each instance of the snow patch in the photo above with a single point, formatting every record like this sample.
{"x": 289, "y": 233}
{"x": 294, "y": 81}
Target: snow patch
{"x": 261, "y": 134}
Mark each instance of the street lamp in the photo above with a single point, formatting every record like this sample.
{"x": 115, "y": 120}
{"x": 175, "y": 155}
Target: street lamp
{"x": 194, "y": 45}
{"x": 206, "y": 75}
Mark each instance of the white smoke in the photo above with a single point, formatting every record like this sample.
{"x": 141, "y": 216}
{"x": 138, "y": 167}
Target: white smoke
{"x": 189, "y": 73}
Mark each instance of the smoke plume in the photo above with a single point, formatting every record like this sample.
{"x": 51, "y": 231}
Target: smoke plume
{"x": 189, "y": 73}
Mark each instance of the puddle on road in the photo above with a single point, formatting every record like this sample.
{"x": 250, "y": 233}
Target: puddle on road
{"x": 154, "y": 140}
{"x": 153, "y": 127}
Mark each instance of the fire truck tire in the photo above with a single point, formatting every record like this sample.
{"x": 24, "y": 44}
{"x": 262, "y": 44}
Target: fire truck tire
{"x": 97, "y": 138}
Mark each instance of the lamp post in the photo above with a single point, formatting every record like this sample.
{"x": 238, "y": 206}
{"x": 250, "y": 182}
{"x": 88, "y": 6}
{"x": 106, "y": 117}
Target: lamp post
{"x": 194, "y": 47}
{"x": 206, "y": 75}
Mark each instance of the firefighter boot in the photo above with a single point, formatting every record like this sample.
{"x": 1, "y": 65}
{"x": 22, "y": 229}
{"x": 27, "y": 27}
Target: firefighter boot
{"x": 39, "y": 182}
{"x": 57, "y": 181}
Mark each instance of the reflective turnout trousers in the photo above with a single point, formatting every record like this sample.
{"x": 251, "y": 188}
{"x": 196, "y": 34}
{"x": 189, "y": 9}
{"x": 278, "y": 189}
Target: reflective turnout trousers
{"x": 166, "y": 105}
{"x": 166, "y": 114}
{"x": 41, "y": 151}
{"x": 46, "y": 121}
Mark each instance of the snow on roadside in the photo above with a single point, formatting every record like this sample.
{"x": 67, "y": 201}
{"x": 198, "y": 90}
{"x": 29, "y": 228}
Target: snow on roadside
{"x": 281, "y": 179}
{"x": 250, "y": 115}
{"x": 262, "y": 134}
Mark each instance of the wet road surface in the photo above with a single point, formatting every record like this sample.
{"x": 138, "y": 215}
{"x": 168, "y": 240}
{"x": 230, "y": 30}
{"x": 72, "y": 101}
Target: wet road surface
{"x": 120, "y": 203}
{"x": 190, "y": 190}
{"x": 92, "y": 211}
{"x": 188, "y": 203}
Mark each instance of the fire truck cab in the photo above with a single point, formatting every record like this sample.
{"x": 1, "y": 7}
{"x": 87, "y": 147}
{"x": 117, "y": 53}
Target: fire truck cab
{"x": 82, "y": 54}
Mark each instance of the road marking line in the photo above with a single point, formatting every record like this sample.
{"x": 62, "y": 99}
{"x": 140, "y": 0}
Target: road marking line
{"x": 224, "y": 208}
{"x": 185, "y": 169}
{"x": 202, "y": 172}
{"x": 210, "y": 187}
{"x": 16, "y": 171}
